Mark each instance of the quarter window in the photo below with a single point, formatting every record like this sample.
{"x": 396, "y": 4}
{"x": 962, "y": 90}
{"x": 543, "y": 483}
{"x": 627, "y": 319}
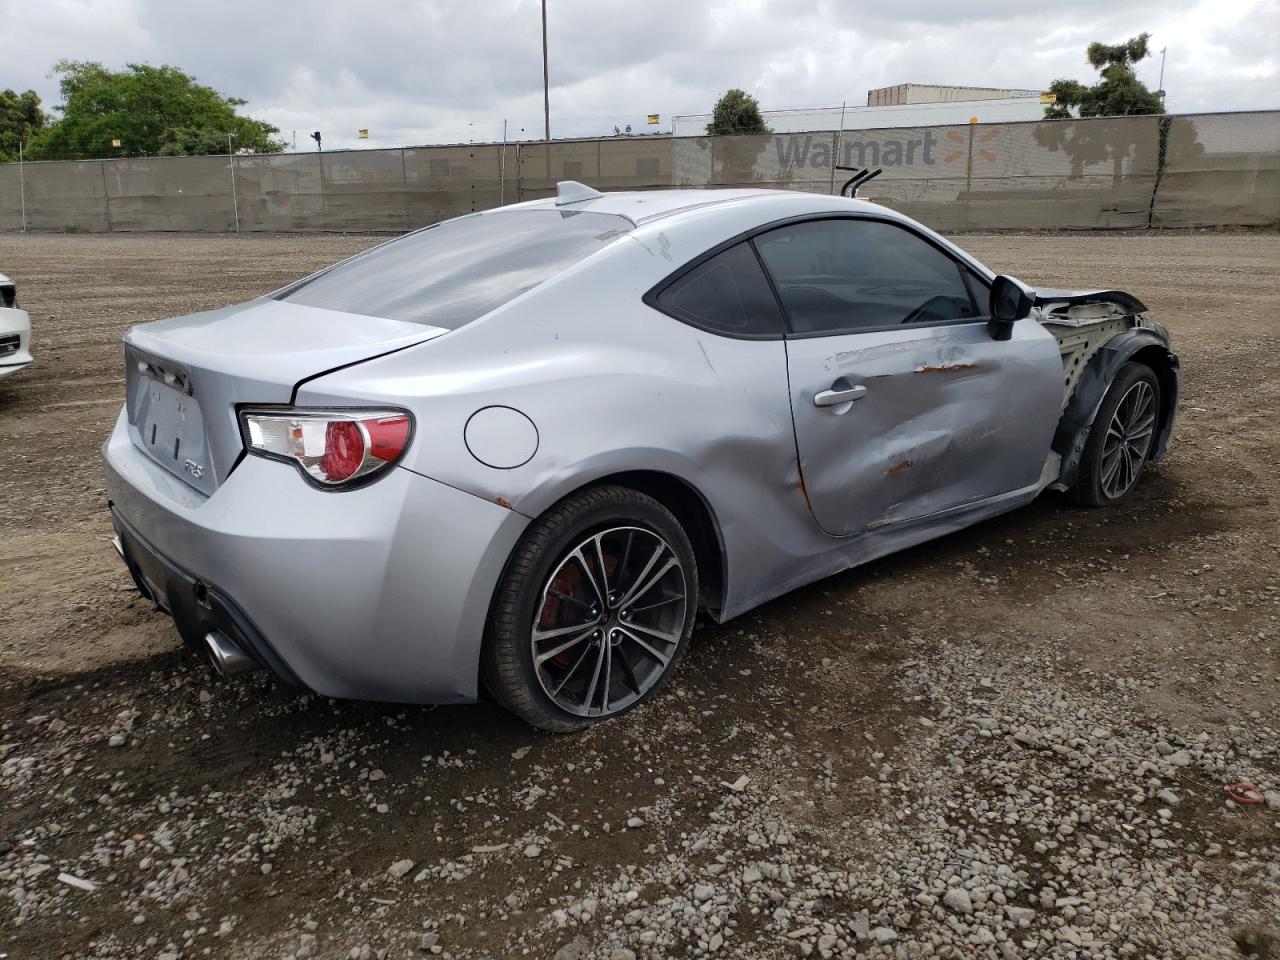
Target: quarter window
{"x": 850, "y": 275}
{"x": 728, "y": 294}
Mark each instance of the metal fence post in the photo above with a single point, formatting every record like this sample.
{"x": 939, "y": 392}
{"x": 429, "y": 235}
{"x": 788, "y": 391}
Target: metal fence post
{"x": 502, "y": 168}
{"x": 324, "y": 203}
{"x": 106, "y": 195}
{"x": 235, "y": 201}
{"x": 1161, "y": 158}
{"x": 22, "y": 187}
{"x": 519, "y": 169}
{"x": 835, "y": 155}
{"x": 968, "y": 163}
{"x": 404, "y": 190}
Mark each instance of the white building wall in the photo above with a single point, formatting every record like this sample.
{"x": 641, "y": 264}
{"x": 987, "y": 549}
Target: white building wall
{"x": 1006, "y": 110}
{"x": 906, "y": 93}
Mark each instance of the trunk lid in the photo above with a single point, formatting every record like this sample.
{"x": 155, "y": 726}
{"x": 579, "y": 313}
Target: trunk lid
{"x": 185, "y": 377}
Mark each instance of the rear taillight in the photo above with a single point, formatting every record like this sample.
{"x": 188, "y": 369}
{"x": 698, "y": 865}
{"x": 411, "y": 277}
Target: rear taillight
{"x": 332, "y": 448}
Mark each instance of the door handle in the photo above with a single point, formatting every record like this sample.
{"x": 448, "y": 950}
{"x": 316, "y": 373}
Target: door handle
{"x": 837, "y": 396}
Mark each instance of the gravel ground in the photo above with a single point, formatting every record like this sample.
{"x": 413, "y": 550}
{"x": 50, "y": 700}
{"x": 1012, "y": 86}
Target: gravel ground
{"x": 1011, "y": 742}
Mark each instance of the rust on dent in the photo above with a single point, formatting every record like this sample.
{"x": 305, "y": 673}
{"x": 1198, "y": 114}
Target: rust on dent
{"x": 947, "y": 368}
{"x": 804, "y": 491}
{"x": 897, "y": 468}
{"x": 504, "y": 503}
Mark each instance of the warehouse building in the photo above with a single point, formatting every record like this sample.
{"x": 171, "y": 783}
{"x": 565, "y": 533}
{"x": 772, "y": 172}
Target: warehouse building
{"x": 951, "y": 105}
{"x": 904, "y": 93}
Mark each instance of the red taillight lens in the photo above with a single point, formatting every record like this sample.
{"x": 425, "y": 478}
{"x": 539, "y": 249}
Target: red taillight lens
{"x": 343, "y": 451}
{"x": 330, "y": 447}
{"x": 388, "y": 436}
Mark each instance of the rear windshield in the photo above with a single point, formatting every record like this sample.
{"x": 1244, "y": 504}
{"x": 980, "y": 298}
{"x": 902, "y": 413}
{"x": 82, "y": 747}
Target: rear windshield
{"x": 451, "y": 273}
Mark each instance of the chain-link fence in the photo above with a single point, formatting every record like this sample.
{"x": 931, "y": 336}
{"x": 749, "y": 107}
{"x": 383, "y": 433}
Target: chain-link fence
{"x": 1116, "y": 172}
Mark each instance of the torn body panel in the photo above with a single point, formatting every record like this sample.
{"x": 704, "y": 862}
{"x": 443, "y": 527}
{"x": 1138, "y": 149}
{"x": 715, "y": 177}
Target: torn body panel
{"x": 1097, "y": 333}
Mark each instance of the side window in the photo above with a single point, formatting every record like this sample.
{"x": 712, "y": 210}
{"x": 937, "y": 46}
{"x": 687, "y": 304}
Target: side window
{"x": 849, "y": 275}
{"x": 726, "y": 294}
{"x": 979, "y": 289}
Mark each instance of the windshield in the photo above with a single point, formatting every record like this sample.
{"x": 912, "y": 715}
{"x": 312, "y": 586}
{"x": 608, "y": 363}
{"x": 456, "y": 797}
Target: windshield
{"x": 450, "y": 274}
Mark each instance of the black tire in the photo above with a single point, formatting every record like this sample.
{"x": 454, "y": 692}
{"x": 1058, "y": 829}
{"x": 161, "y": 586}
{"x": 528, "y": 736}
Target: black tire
{"x": 507, "y": 658}
{"x": 1095, "y": 485}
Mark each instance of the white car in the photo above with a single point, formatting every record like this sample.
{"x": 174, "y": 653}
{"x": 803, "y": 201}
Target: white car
{"x": 15, "y": 330}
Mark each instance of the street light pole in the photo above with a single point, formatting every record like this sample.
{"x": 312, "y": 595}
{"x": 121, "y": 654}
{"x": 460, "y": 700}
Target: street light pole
{"x": 1160, "y": 85}
{"x": 546, "y": 86}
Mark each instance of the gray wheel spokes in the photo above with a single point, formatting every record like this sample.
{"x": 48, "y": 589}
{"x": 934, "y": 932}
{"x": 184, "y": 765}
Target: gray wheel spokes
{"x": 581, "y": 635}
{"x": 602, "y": 651}
{"x": 646, "y": 647}
{"x": 612, "y": 616}
{"x": 572, "y": 670}
{"x": 1111, "y": 463}
{"x": 1128, "y": 439}
{"x": 648, "y": 578}
{"x": 664, "y": 635}
{"x": 654, "y": 605}
{"x": 581, "y": 558}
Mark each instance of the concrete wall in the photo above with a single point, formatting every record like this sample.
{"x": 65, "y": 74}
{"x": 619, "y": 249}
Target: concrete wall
{"x": 1120, "y": 172}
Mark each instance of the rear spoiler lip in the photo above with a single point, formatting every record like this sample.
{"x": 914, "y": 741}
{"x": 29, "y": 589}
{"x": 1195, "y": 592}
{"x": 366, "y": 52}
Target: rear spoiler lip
{"x": 1070, "y": 298}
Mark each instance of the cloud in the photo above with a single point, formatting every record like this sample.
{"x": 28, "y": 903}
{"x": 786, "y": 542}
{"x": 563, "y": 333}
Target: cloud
{"x": 413, "y": 71}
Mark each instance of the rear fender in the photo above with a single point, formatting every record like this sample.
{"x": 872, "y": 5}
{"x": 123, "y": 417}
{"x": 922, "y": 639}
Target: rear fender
{"x": 1143, "y": 344}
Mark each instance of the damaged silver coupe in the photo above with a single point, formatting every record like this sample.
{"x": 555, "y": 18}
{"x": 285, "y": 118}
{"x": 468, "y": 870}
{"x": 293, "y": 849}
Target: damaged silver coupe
{"x": 521, "y": 449}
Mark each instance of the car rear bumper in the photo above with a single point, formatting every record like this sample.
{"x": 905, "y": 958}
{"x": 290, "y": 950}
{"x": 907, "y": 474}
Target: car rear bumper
{"x": 379, "y": 593}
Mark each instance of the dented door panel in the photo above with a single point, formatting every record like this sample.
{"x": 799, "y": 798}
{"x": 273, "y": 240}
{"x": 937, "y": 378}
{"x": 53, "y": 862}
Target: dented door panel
{"x": 947, "y": 417}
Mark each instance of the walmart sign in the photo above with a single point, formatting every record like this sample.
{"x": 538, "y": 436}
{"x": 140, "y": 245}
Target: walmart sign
{"x": 806, "y": 150}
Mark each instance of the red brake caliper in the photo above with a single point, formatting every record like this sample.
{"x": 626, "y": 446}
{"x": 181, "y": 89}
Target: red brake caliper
{"x": 547, "y": 620}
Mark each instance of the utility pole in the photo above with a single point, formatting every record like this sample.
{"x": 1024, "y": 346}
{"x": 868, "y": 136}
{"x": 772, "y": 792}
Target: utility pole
{"x": 1160, "y": 85}
{"x": 546, "y": 85}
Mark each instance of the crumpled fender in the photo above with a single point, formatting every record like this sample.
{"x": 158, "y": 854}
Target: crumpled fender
{"x": 1077, "y": 419}
{"x": 1127, "y": 302}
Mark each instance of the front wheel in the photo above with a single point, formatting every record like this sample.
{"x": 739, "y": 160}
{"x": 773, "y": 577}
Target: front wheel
{"x": 1121, "y": 439}
{"x": 594, "y": 610}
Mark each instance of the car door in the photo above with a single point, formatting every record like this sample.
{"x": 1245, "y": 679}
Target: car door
{"x": 904, "y": 407}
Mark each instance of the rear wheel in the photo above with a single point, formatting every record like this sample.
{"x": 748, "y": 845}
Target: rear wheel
{"x": 594, "y": 611}
{"x": 1121, "y": 438}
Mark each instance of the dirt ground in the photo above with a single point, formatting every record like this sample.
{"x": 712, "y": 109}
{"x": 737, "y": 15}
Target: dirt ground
{"x": 1009, "y": 742}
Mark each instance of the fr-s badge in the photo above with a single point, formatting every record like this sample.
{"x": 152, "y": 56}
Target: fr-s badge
{"x": 195, "y": 469}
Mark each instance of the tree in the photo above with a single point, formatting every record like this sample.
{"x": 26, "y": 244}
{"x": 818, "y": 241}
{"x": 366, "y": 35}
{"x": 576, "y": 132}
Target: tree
{"x": 150, "y": 110}
{"x": 20, "y": 117}
{"x": 735, "y": 113}
{"x": 1118, "y": 93}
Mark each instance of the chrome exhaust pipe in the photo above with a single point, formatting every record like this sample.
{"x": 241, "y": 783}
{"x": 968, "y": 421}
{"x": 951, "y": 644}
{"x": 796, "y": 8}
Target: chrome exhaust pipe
{"x": 228, "y": 659}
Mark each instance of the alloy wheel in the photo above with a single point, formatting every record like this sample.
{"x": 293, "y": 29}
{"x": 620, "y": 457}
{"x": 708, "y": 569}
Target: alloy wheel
{"x": 611, "y": 616}
{"x": 1128, "y": 439}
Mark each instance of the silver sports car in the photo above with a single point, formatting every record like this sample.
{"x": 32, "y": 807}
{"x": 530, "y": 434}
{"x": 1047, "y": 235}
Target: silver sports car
{"x": 522, "y": 448}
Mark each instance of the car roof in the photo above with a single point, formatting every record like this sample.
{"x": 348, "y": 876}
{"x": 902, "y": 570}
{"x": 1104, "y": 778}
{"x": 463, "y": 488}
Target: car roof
{"x": 641, "y": 206}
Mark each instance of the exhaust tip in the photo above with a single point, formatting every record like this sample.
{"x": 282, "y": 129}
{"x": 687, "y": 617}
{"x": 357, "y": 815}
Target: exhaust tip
{"x": 228, "y": 659}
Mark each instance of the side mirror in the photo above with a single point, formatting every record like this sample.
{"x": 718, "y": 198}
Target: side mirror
{"x": 1011, "y": 301}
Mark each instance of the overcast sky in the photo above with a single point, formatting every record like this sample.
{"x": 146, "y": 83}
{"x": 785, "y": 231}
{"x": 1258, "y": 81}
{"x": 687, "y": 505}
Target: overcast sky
{"x": 429, "y": 71}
